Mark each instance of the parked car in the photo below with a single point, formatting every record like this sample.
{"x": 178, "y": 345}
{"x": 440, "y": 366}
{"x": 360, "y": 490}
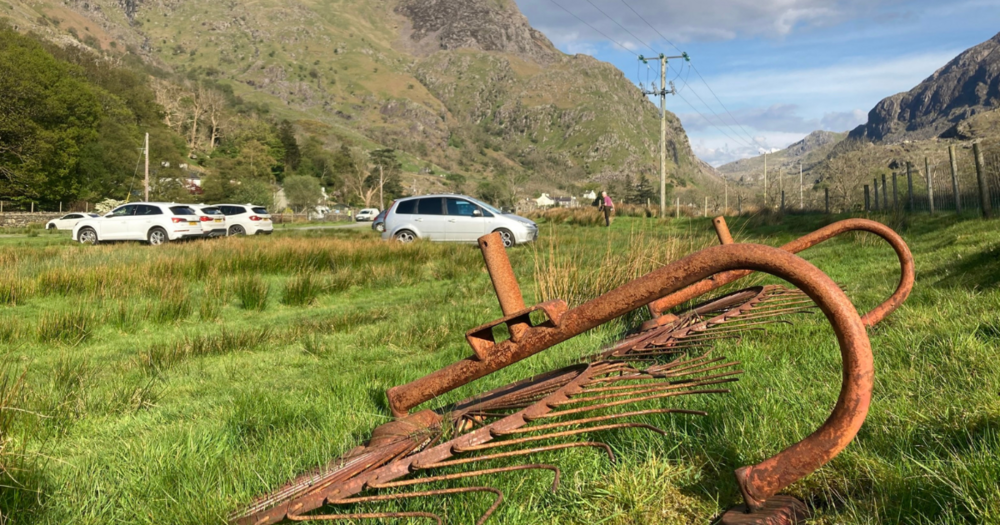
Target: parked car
{"x": 456, "y": 218}
{"x": 67, "y": 222}
{"x": 154, "y": 222}
{"x": 246, "y": 219}
{"x": 378, "y": 224}
{"x": 213, "y": 221}
{"x": 367, "y": 214}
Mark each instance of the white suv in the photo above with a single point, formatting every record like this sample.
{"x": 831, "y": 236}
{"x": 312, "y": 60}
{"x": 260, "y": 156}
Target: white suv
{"x": 455, "y": 218}
{"x": 213, "y": 221}
{"x": 154, "y": 222}
{"x": 246, "y": 219}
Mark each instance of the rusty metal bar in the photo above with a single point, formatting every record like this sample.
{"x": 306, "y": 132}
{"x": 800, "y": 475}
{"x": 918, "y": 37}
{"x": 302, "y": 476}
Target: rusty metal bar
{"x": 872, "y": 318}
{"x": 501, "y": 273}
{"x": 722, "y": 230}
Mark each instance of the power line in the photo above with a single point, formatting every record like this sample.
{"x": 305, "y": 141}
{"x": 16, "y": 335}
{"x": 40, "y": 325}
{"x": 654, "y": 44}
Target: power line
{"x": 737, "y": 140}
{"x": 692, "y": 66}
{"x": 621, "y": 26}
{"x": 594, "y": 28}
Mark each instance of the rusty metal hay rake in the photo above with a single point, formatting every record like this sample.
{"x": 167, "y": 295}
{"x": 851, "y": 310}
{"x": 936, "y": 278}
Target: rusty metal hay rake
{"x": 651, "y": 365}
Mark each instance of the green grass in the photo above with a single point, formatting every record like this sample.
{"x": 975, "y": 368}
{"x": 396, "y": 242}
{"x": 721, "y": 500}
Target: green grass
{"x": 156, "y": 389}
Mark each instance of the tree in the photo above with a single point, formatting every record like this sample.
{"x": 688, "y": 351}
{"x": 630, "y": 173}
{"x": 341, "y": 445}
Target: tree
{"x": 385, "y": 174}
{"x": 286, "y": 134}
{"x": 352, "y": 165}
{"x": 303, "y": 191}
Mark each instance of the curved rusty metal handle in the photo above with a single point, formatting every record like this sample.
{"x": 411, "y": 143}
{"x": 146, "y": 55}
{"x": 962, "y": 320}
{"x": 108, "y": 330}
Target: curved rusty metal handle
{"x": 870, "y": 319}
{"x": 757, "y": 482}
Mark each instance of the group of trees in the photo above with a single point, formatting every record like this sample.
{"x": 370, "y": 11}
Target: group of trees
{"x": 72, "y": 125}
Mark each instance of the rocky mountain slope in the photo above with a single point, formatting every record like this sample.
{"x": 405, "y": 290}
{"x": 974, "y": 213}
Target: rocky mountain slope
{"x": 966, "y": 86}
{"x": 459, "y": 86}
{"x": 807, "y": 152}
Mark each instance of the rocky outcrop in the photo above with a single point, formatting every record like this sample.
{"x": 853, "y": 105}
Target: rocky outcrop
{"x": 485, "y": 25}
{"x": 813, "y": 142}
{"x": 966, "y": 86}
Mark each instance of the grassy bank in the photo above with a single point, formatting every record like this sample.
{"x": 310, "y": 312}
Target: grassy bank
{"x": 173, "y": 384}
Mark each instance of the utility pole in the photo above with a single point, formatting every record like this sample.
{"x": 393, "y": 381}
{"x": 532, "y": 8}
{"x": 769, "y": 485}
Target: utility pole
{"x": 765, "y": 179}
{"x": 146, "y": 153}
{"x": 725, "y": 183}
{"x": 663, "y": 92}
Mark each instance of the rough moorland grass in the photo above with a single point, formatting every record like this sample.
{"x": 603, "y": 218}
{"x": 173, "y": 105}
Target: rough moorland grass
{"x": 186, "y": 419}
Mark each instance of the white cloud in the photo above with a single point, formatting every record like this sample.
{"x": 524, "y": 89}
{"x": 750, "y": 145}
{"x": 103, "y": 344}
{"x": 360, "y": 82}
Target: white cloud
{"x": 703, "y": 20}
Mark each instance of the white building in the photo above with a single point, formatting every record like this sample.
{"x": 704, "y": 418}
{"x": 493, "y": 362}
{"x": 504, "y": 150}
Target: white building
{"x": 544, "y": 201}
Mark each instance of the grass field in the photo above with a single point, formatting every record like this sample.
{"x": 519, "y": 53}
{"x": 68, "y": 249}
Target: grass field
{"x": 174, "y": 384}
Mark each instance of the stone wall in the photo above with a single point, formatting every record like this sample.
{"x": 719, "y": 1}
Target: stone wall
{"x": 22, "y": 219}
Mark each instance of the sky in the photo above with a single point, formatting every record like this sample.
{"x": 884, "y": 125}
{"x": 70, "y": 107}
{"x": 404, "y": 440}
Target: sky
{"x": 765, "y": 73}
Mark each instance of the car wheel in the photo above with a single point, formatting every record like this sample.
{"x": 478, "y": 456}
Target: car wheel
{"x": 237, "y": 230}
{"x": 158, "y": 236}
{"x": 87, "y": 236}
{"x": 508, "y": 238}
{"x": 405, "y": 236}
{"x": 50, "y": 227}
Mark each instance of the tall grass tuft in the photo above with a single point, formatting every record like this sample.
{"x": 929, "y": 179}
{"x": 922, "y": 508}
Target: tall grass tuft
{"x": 300, "y": 290}
{"x": 164, "y": 355}
{"x": 252, "y": 292}
{"x": 11, "y": 330}
{"x": 67, "y": 326}
{"x": 14, "y": 291}
{"x": 173, "y": 305}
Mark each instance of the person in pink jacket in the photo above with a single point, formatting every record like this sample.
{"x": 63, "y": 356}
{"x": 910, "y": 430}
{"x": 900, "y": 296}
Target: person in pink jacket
{"x": 608, "y": 206}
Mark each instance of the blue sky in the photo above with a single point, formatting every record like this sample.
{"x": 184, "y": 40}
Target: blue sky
{"x": 781, "y": 68}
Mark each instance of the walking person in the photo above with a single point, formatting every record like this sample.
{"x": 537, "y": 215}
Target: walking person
{"x": 607, "y": 206}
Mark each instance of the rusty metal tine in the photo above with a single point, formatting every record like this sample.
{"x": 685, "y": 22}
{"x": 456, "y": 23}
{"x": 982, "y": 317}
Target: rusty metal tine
{"x": 565, "y": 433}
{"x": 710, "y": 331}
{"x": 589, "y": 408}
{"x": 737, "y": 322}
{"x": 674, "y": 370}
{"x": 364, "y": 516}
{"x": 462, "y": 475}
{"x": 722, "y": 230}
{"x": 810, "y": 310}
{"x": 514, "y": 453}
{"x": 525, "y": 430}
{"x": 426, "y": 493}
{"x": 638, "y": 389}
{"x": 630, "y": 387}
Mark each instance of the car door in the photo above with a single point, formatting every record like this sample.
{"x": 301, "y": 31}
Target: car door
{"x": 465, "y": 222}
{"x": 114, "y": 225}
{"x": 431, "y": 218}
{"x": 146, "y": 216}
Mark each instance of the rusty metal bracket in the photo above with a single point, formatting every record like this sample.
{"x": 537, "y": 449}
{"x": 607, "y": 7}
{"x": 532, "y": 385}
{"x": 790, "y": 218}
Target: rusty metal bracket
{"x": 482, "y": 340}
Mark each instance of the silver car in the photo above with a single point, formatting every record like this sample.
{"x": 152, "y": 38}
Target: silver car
{"x": 455, "y": 218}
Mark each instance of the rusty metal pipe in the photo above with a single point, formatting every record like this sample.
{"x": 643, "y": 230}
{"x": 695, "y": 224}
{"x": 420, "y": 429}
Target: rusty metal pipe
{"x": 501, "y": 273}
{"x": 872, "y": 318}
{"x": 722, "y": 230}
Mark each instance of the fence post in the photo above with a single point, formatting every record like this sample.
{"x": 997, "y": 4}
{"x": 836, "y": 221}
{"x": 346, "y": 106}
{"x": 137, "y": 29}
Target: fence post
{"x": 875, "y": 183}
{"x": 826, "y": 196}
{"x": 867, "y": 205}
{"x": 706, "y": 206}
{"x": 782, "y": 201}
{"x": 895, "y": 193}
{"x": 739, "y": 205}
{"x": 60, "y": 207}
{"x": 909, "y": 184}
{"x": 984, "y": 189}
{"x": 954, "y": 179}
{"x": 885, "y": 194}
{"x": 32, "y": 207}
{"x": 677, "y": 213}
{"x": 930, "y": 184}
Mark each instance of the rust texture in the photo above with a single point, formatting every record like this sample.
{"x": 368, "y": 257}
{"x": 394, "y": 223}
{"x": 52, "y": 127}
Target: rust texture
{"x": 722, "y": 230}
{"x": 501, "y": 273}
{"x": 807, "y": 241}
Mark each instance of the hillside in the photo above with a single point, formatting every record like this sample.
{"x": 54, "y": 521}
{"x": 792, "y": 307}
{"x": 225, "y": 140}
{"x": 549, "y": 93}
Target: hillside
{"x": 965, "y": 87}
{"x": 458, "y": 87}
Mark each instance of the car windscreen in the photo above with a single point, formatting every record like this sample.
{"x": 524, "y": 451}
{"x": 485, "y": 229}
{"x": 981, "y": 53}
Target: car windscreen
{"x": 259, "y": 210}
{"x": 182, "y": 210}
{"x": 430, "y": 206}
{"x": 490, "y": 208}
{"x": 211, "y": 211}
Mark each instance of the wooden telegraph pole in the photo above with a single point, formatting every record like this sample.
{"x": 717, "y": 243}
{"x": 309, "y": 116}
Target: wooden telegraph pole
{"x": 663, "y": 92}
{"x": 146, "y": 153}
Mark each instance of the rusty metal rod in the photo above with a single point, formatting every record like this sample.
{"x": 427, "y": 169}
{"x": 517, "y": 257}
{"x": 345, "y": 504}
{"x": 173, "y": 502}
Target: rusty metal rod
{"x": 872, "y": 318}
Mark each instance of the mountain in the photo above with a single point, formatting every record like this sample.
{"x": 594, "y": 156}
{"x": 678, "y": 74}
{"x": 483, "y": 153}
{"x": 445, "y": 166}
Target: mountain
{"x": 807, "y": 152}
{"x": 464, "y": 87}
{"x": 965, "y": 87}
